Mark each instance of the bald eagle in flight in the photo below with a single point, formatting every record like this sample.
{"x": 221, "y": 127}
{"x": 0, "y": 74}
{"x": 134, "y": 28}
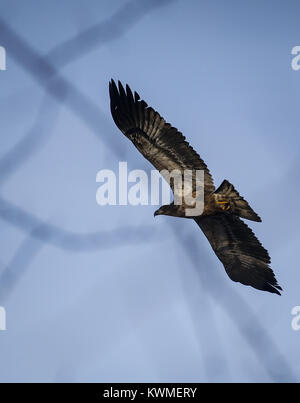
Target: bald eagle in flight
{"x": 244, "y": 258}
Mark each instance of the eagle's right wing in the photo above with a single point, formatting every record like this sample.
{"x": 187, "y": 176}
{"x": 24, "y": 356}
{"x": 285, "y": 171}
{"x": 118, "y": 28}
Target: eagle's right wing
{"x": 163, "y": 145}
{"x": 243, "y": 256}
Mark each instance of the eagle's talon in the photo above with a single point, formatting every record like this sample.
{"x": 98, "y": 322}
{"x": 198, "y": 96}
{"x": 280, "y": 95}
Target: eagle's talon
{"x": 225, "y": 205}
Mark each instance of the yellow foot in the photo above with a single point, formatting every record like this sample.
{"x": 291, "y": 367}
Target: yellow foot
{"x": 224, "y": 205}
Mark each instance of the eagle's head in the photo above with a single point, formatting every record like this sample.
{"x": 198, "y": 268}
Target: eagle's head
{"x": 161, "y": 211}
{"x": 168, "y": 209}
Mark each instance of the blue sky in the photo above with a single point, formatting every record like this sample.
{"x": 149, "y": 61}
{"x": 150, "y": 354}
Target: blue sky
{"x": 138, "y": 298}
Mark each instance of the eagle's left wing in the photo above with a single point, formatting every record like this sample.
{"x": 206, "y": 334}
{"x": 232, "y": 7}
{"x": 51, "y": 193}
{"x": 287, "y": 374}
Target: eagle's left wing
{"x": 163, "y": 145}
{"x": 243, "y": 256}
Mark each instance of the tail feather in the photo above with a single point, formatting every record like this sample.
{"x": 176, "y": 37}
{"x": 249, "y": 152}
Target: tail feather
{"x": 238, "y": 205}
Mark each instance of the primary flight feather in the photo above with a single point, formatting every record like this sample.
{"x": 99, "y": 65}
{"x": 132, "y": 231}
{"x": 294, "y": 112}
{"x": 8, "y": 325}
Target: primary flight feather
{"x": 244, "y": 258}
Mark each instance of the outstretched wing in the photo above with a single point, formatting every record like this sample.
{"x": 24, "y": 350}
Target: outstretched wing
{"x": 244, "y": 258}
{"x": 163, "y": 145}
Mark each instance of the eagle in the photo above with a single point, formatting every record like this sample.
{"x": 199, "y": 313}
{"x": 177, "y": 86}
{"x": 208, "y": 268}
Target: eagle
{"x": 241, "y": 253}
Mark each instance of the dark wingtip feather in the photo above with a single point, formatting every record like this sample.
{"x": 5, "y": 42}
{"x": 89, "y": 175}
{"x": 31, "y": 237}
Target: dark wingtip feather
{"x": 136, "y": 96}
{"x": 110, "y": 86}
{"x": 129, "y": 93}
{"x": 121, "y": 89}
{"x": 113, "y": 90}
{"x": 112, "y": 83}
{"x": 273, "y": 288}
{"x": 255, "y": 217}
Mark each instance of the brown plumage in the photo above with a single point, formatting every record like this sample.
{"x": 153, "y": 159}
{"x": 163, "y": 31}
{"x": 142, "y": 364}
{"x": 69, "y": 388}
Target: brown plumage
{"x": 244, "y": 258}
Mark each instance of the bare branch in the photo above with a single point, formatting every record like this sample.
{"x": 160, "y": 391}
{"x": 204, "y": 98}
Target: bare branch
{"x": 60, "y": 238}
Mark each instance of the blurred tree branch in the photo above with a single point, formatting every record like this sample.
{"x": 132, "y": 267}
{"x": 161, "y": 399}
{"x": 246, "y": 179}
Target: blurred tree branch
{"x": 71, "y": 241}
{"x": 102, "y": 33}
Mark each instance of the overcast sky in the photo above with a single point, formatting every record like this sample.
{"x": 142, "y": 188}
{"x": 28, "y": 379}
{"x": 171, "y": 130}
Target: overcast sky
{"x": 110, "y": 293}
